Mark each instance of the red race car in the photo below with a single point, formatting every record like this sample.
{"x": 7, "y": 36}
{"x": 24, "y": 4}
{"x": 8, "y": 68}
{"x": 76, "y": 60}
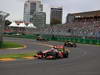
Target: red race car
{"x": 53, "y": 53}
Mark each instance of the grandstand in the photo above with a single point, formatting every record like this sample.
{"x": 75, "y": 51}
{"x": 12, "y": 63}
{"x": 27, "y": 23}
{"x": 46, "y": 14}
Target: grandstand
{"x": 83, "y": 16}
{"x": 84, "y": 25}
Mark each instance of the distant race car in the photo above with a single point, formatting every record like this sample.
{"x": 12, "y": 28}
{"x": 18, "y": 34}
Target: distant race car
{"x": 70, "y": 44}
{"x": 53, "y": 53}
{"x": 39, "y": 38}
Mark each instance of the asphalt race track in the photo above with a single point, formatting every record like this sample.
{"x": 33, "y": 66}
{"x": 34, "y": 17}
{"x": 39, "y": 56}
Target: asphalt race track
{"x": 83, "y": 60}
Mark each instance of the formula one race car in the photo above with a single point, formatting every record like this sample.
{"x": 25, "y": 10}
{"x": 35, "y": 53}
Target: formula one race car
{"x": 53, "y": 53}
{"x": 39, "y": 38}
{"x": 70, "y": 44}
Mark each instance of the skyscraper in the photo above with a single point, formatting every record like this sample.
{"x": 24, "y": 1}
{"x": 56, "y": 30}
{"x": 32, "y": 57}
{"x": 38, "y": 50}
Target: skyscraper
{"x": 39, "y": 19}
{"x": 30, "y": 7}
{"x": 56, "y": 15}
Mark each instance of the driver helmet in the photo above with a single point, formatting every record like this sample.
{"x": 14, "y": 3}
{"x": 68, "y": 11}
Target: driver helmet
{"x": 54, "y": 47}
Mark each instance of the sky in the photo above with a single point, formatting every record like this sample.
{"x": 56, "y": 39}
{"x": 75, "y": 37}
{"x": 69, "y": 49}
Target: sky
{"x": 16, "y": 7}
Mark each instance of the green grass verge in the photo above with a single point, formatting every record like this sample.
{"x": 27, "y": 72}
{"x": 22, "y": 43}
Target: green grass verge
{"x": 10, "y": 45}
{"x": 22, "y": 36}
{"x": 17, "y": 56}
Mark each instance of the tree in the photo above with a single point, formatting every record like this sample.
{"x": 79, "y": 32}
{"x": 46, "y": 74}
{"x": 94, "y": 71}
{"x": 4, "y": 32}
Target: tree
{"x": 7, "y": 22}
{"x": 3, "y": 16}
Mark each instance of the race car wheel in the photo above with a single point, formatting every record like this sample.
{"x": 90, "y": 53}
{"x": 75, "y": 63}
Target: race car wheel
{"x": 40, "y": 54}
{"x": 66, "y": 54}
{"x": 69, "y": 45}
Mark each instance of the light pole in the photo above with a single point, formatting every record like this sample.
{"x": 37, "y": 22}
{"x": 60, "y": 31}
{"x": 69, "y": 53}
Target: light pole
{"x": 3, "y": 15}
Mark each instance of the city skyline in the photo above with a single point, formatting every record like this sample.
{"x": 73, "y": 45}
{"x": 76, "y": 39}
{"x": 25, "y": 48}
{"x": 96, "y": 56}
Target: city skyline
{"x": 30, "y": 7}
{"x": 16, "y": 7}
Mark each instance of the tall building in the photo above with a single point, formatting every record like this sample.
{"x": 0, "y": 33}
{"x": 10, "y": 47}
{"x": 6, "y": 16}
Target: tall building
{"x": 30, "y": 7}
{"x": 39, "y": 19}
{"x": 56, "y": 16}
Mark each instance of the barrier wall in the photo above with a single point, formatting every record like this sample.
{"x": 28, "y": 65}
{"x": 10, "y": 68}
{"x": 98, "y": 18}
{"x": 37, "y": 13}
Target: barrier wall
{"x": 23, "y": 36}
{"x": 73, "y": 39}
{"x": 60, "y": 38}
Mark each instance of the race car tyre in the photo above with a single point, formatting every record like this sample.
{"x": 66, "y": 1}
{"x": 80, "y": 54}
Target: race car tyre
{"x": 66, "y": 54}
{"x": 40, "y": 53}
